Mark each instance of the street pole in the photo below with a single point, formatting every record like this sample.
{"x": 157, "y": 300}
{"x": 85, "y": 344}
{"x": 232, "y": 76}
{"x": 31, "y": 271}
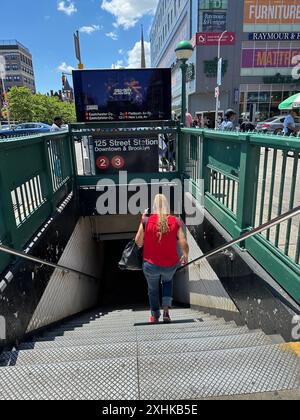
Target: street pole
{"x": 184, "y": 68}
{"x": 218, "y": 82}
{"x": 77, "y": 50}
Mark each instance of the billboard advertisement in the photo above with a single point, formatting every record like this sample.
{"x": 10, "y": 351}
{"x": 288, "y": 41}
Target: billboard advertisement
{"x": 270, "y": 58}
{"x": 271, "y": 12}
{"x": 122, "y": 95}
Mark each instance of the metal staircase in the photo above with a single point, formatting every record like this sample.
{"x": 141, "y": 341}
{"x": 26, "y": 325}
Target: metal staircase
{"x": 117, "y": 356}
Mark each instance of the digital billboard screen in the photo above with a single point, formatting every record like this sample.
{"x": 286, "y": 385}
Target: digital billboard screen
{"x": 122, "y": 95}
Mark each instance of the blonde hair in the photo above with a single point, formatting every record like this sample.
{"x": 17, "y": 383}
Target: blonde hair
{"x": 161, "y": 208}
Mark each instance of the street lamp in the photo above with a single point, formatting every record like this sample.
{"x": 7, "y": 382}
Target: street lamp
{"x": 184, "y": 52}
{"x": 219, "y": 79}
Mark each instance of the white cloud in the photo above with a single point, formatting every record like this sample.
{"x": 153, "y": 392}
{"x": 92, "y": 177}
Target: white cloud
{"x": 112, "y": 35}
{"x": 118, "y": 65}
{"x": 90, "y": 29}
{"x": 68, "y": 7}
{"x": 129, "y": 12}
{"x": 133, "y": 57}
{"x": 64, "y": 68}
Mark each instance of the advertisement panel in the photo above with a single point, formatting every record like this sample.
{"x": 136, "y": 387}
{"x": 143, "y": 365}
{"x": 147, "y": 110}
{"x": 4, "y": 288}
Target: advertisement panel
{"x": 271, "y": 58}
{"x": 122, "y": 95}
{"x": 271, "y": 12}
{"x": 134, "y": 155}
{"x": 214, "y": 21}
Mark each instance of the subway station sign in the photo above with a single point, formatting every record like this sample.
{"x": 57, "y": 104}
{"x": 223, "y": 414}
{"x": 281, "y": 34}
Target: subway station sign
{"x": 134, "y": 155}
{"x": 274, "y": 36}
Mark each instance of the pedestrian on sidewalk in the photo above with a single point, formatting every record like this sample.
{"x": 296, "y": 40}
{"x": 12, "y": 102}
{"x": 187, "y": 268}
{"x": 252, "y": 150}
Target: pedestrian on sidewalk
{"x": 57, "y": 125}
{"x": 228, "y": 123}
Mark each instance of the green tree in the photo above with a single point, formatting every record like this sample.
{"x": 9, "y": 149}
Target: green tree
{"x": 26, "y": 107}
{"x": 20, "y": 104}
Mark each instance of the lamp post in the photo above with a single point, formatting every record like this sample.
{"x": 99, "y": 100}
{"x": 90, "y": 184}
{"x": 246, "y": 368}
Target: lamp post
{"x": 219, "y": 77}
{"x": 184, "y": 52}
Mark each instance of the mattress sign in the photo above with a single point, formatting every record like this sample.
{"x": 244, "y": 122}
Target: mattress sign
{"x": 271, "y": 58}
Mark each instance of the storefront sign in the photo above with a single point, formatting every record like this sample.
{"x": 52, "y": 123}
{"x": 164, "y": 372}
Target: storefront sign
{"x": 272, "y": 58}
{"x": 280, "y": 79}
{"x": 134, "y": 155}
{"x": 203, "y": 38}
{"x": 214, "y": 22}
{"x": 214, "y": 4}
{"x": 274, "y": 36}
{"x": 272, "y": 12}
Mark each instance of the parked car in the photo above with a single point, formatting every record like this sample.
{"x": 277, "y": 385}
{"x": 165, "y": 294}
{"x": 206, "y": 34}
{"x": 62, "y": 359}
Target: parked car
{"x": 5, "y": 127}
{"x": 274, "y": 125}
{"x": 26, "y": 129}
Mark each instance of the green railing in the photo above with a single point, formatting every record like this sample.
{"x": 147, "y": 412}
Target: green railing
{"x": 249, "y": 179}
{"x": 36, "y": 174}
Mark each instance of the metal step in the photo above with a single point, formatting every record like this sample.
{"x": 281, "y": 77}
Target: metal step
{"x": 100, "y": 325}
{"x": 69, "y": 355}
{"x": 218, "y": 373}
{"x": 96, "y": 380}
{"x": 86, "y": 353}
{"x": 196, "y": 345}
{"x": 163, "y": 377}
{"x": 127, "y": 321}
{"x": 131, "y": 319}
{"x": 131, "y": 314}
{"x": 101, "y": 340}
{"x": 146, "y": 330}
{"x": 129, "y": 328}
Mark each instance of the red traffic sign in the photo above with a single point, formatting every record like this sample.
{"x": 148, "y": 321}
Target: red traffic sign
{"x": 212, "y": 38}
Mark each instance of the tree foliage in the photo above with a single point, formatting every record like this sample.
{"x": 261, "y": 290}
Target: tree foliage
{"x": 27, "y": 107}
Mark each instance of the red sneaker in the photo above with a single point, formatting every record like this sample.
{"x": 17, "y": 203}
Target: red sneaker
{"x": 153, "y": 320}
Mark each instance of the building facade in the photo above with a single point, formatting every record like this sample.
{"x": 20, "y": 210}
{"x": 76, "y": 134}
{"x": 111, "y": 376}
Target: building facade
{"x": 261, "y": 52}
{"x": 19, "y": 66}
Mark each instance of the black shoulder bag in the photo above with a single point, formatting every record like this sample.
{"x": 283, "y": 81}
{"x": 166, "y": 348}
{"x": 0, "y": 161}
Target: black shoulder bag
{"x": 132, "y": 258}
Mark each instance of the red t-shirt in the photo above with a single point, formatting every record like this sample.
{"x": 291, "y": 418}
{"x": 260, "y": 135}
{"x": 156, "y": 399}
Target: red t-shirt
{"x": 162, "y": 253}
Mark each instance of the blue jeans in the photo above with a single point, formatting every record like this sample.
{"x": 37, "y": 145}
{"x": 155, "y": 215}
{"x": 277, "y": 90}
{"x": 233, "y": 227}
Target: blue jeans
{"x": 154, "y": 276}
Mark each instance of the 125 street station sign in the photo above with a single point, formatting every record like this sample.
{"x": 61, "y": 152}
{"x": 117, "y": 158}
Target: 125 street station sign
{"x": 134, "y": 155}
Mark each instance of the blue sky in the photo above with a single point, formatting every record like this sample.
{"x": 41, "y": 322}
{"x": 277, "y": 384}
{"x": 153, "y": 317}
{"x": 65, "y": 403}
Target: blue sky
{"x": 110, "y": 31}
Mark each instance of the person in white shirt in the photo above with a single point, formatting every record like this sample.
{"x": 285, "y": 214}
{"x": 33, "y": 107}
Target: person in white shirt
{"x": 228, "y": 123}
{"x": 57, "y": 124}
{"x": 290, "y": 128}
